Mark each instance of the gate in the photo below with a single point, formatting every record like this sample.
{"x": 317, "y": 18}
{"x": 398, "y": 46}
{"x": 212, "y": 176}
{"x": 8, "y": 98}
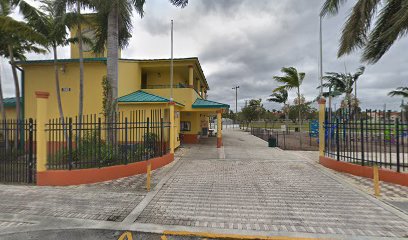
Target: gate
{"x": 17, "y": 151}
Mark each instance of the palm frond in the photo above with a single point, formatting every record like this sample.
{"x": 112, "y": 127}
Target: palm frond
{"x": 179, "y": 3}
{"x": 355, "y": 30}
{"x": 138, "y": 5}
{"x": 280, "y": 97}
{"x": 21, "y": 30}
{"x": 5, "y": 7}
{"x": 384, "y": 34}
{"x": 400, "y": 91}
{"x": 331, "y": 7}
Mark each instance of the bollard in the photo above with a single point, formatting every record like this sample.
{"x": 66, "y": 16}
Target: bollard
{"x": 149, "y": 169}
{"x": 376, "y": 179}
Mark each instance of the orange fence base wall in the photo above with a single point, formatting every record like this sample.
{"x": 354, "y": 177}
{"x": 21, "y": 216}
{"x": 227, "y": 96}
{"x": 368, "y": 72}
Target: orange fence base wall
{"x": 190, "y": 138}
{"x": 363, "y": 171}
{"x": 94, "y": 175}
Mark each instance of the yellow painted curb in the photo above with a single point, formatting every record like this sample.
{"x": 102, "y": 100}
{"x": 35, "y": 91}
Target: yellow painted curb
{"x": 231, "y": 236}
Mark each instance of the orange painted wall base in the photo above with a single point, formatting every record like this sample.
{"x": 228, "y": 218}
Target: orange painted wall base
{"x": 219, "y": 142}
{"x": 190, "y": 139}
{"x": 364, "y": 171}
{"x": 94, "y": 175}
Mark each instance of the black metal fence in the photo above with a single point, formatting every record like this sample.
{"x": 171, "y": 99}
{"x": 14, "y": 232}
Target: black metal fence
{"x": 288, "y": 140}
{"x": 98, "y": 142}
{"x": 368, "y": 138}
{"x": 17, "y": 151}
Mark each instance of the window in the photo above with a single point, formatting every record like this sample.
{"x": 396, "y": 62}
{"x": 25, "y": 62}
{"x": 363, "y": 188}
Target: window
{"x": 185, "y": 126}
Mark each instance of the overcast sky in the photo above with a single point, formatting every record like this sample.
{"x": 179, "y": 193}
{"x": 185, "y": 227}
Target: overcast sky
{"x": 246, "y": 42}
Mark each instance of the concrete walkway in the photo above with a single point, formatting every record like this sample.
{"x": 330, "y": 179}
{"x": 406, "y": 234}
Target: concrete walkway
{"x": 242, "y": 188}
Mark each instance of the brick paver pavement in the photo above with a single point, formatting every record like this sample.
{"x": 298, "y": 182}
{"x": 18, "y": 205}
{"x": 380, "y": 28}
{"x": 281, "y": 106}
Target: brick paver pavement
{"x": 105, "y": 201}
{"x": 259, "y": 188}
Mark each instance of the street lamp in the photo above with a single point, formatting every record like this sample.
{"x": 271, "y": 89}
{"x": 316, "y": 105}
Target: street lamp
{"x": 236, "y": 102}
{"x": 236, "y": 98}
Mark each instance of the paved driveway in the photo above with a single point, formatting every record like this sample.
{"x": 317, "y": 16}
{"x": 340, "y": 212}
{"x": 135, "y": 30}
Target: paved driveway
{"x": 265, "y": 189}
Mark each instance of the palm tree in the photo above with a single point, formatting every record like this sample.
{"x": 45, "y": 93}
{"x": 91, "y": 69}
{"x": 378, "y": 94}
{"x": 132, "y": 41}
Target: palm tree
{"x": 53, "y": 27}
{"x": 401, "y": 91}
{"x": 292, "y": 79}
{"x": 114, "y": 30}
{"x": 76, "y": 19}
{"x": 281, "y": 96}
{"x": 18, "y": 38}
{"x": 17, "y": 34}
{"x": 390, "y": 24}
{"x": 343, "y": 83}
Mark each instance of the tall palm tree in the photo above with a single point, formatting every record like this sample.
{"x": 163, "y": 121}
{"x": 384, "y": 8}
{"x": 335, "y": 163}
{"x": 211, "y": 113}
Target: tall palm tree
{"x": 401, "y": 91}
{"x": 281, "y": 96}
{"x": 17, "y": 34}
{"x": 391, "y": 23}
{"x": 291, "y": 79}
{"x": 18, "y": 38}
{"x": 114, "y": 31}
{"x": 53, "y": 26}
{"x": 75, "y": 19}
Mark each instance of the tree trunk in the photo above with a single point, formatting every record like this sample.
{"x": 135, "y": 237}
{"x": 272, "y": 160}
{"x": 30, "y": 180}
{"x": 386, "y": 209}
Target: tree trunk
{"x": 17, "y": 91}
{"x": 113, "y": 54}
{"x": 112, "y": 65}
{"x": 286, "y": 118}
{"x": 57, "y": 84}
{"x": 300, "y": 119}
{"x": 81, "y": 70}
{"x": 3, "y": 115}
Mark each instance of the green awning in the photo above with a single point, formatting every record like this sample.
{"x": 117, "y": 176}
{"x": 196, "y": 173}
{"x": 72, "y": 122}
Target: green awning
{"x": 203, "y": 103}
{"x": 10, "y": 102}
{"x": 143, "y": 97}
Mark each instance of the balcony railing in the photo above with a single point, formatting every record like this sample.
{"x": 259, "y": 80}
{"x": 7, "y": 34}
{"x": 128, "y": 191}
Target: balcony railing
{"x": 158, "y": 86}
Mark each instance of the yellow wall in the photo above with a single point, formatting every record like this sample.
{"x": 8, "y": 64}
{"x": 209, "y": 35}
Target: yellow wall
{"x": 185, "y": 96}
{"x": 10, "y": 113}
{"x": 87, "y": 32}
{"x": 162, "y": 78}
{"x": 177, "y": 126}
{"x": 41, "y": 78}
{"x": 129, "y": 77}
{"x": 126, "y": 109}
{"x": 194, "y": 119}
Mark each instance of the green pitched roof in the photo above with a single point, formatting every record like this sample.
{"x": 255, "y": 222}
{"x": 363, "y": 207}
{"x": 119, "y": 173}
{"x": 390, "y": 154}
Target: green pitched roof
{"x": 203, "y": 103}
{"x": 143, "y": 97}
{"x": 10, "y": 102}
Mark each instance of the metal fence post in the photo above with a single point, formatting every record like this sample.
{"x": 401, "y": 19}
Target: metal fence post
{"x": 70, "y": 143}
{"x": 30, "y": 150}
{"x": 147, "y": 137}
{"x": 397, "y": 142}
{"x": 126, "y": 140}
{"x": 161, "y": 136}
{"x": 362, "y": 141}
{"x": 337, "y": 140}
{"x": 99, "y": 141}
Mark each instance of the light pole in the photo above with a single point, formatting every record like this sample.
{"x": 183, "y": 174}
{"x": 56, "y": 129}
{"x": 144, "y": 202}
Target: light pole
{"x": 236, "y": 102}
{"x": 321, "y": 56}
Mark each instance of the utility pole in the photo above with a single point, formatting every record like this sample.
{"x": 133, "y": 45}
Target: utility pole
{"x": 236, "y": 102}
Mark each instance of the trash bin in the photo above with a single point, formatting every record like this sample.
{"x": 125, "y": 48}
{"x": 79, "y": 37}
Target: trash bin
{"x": 271, "y": 141}
{"x": 296, "y": 129}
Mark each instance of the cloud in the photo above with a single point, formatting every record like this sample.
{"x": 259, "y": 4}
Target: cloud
{"x": 246, "y": 42}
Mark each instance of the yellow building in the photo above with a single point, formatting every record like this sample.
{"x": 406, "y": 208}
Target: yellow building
{"x": 10, "y": 107}
{"x": 142, "y": 84}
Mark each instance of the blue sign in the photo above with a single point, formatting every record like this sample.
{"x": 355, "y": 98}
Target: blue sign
{"x": 314, "y": 128}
